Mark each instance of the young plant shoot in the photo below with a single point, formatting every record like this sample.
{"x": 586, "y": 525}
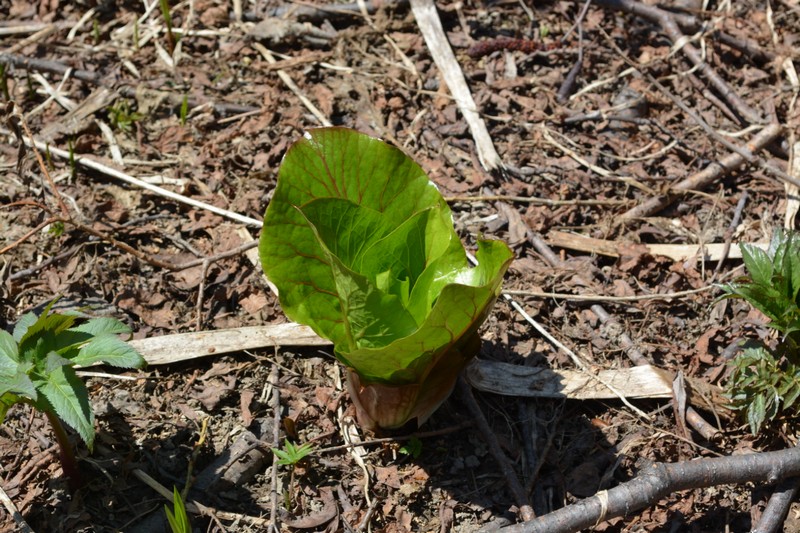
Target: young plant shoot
{"x": 36, "y": 367}
{"x": 361, "y": 246}
{"x": 765, "y": 380}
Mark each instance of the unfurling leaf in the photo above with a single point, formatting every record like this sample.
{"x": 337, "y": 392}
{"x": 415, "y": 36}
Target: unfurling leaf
{"x": 361, "y": 246}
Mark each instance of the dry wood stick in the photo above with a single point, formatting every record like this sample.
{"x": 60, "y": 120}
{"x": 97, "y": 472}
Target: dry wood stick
{"x": 737, "y": 215}
{"x": 91, "y": 163}
{"x": 705, "y": 177}
{"x": 661, "y": 479}
{"x": 14, "y": 512}
{"x": 431, "y": 27}
{"x": 275, "y": 403}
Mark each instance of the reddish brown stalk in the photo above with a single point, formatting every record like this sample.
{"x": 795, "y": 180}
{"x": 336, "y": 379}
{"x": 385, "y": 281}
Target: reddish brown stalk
{"x": 484, "y": 48}
{"x": 68, "y": 462}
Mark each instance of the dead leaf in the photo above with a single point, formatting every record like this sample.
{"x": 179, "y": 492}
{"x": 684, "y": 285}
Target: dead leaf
{"x": 318, "y": 518}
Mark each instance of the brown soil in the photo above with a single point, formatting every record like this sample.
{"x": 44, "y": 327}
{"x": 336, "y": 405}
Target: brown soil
{"x": 571, "y": 166}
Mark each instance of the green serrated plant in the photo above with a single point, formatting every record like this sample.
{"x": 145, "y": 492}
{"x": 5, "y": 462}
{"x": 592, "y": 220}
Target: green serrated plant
{"x": 361, "y": 246}
{"x": 37, "y": 365}
{"x": 177, "y": 517}
{"x": 765, "y": 381}
{"x": 122, "y": 117}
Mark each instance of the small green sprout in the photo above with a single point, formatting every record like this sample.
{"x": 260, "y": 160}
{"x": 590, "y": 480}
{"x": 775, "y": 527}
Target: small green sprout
{"x": 412, "y": 448}
{"x": 765, "y": 381}
{"x": 171, "y": 39}
{"x": 56, "y": 229}
{"x": 37, "y": 365}
{"x": 184, "y": 109}
{"x": 136, "y": 34}
{"x": 290, "y": 455}
{"x": 544, "y": 31}
{"x": 96, "y": 31}
{"x": 122, "y": 117}
{"x": 178, "y": 519}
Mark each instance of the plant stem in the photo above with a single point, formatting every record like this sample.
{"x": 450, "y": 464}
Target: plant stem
{"x": 66, "y": 454}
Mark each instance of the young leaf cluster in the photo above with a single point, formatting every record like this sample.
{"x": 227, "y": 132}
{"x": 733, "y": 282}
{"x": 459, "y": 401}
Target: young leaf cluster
{"x": 122, "y": 117}
{"x": 766, "y": 381}
{"x": 362, "y": 248}
{"x": 290, "y": 455}
{"x": 37, "y": 360}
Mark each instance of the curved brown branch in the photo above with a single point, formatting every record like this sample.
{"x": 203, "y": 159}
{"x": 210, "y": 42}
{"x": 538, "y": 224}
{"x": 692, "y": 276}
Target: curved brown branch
{"x": 661, "y": 479}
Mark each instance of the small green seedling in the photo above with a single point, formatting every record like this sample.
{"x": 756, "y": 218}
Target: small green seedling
{"x": 184, "y": 111}
{"x": 122, "y": 117}
{"x": 177, "y": 518}
{"x": 361, "y": 246}
{"x": 136, "y": 34}
{"x": 37, "y": 365}
{"x": 290, "y": 454}
{"x": 96, "y": 31}
{"x": 412, "y": 448}
{"x": 766, "y": 380}
{"x": 171, "y": 39}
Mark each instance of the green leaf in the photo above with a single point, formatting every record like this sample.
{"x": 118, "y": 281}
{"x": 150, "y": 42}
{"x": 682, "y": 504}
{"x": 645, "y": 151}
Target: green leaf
{"x": 108, "y": 349}
{"x": 758, "y": 263}
{"x": 22, "y": 325}
{"x": 361, "y": 247}
{"x": 458, "y": 312}
{"x": 179, "y": 520}
{"x": 756, "y": 413}
{"x": 6, "y": 401}
{"x": 18, "y": 382}
{"x": 9, "y": 353}
{"x": 68, "y": 397}
{"x": 100, "y": 325}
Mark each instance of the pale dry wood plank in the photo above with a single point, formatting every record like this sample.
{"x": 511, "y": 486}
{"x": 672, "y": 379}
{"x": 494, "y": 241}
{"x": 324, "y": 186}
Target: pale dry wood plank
{"x": 185, "y": 346}
{"x": 644, "y": 381}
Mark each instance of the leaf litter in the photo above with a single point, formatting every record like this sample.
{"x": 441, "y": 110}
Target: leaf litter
{"x": 555, "y": 152}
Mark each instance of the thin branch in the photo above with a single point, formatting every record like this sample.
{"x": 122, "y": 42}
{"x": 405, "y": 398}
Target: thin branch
{"x": 778, "y": 507}
{"x": 659, "y": 481}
